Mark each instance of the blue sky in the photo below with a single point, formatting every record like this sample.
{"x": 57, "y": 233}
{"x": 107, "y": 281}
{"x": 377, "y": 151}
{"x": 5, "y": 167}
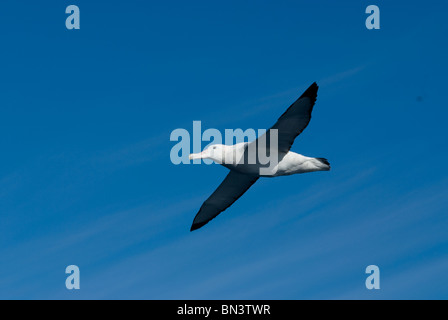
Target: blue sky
{"x": 86, "y": 178}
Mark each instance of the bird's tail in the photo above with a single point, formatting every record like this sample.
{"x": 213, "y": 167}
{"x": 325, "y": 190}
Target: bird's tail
{"x": 324, "y": 164}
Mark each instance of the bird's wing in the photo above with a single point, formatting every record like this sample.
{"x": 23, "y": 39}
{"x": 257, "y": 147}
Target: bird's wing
{"x": 294, "y": 120}
{"x": 233, "y": 187}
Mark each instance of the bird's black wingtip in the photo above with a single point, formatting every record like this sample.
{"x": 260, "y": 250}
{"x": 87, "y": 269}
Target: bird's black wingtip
{"x": 311, "y": 92}
{"x": 196, "y": 225}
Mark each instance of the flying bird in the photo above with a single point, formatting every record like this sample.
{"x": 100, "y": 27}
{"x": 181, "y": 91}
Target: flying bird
{"x": 244, "y": 173}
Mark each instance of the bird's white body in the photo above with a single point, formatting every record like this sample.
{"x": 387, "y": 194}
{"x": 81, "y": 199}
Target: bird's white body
{"x": 290, "y": 163}
{"x": 293, "y": 163}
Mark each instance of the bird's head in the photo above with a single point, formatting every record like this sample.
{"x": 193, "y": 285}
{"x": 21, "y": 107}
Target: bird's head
{"x": 215, "y": 152}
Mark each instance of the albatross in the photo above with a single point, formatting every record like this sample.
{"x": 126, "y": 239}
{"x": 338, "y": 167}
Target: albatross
{"x": 243, "y": 174}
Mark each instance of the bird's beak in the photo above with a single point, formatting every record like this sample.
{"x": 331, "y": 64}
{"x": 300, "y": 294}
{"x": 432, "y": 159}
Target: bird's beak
{"x": 202, "y": 155}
